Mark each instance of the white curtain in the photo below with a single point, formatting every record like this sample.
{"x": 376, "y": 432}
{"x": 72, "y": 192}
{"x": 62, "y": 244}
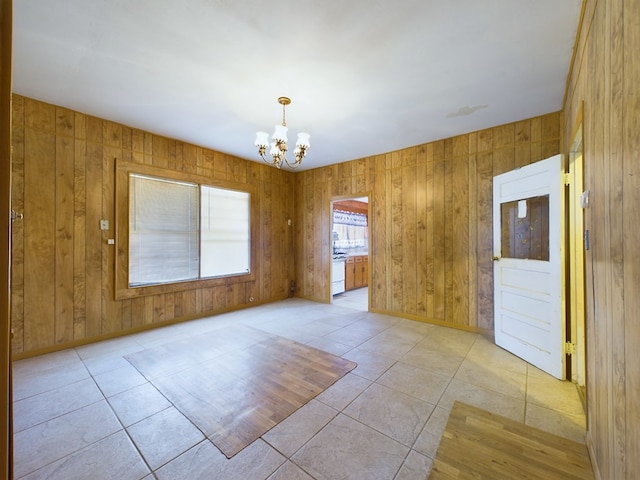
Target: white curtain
{"x": 350, "y": 231}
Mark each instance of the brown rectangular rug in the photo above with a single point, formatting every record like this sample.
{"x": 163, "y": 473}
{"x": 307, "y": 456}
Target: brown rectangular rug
{"x": 237, "y": 383}
{"x": 477, "y": 444}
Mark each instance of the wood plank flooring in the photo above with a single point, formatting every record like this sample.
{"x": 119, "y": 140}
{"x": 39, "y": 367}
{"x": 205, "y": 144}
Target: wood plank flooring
{"x": 237, "y": 383}
{"x": 477, "y": 444}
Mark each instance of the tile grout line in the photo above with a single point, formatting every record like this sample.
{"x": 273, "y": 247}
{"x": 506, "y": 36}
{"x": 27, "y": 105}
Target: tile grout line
{"x": 124, "y": 429}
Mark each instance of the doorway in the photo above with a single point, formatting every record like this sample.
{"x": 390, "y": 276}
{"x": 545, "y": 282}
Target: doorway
{"x": 577, "y": 242}
{"x": 350, "y": 252}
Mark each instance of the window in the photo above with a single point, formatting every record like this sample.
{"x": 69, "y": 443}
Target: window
{"x": 179, "y": 231}
{"x": 350, "y": 231}
{"x": 184, "y": 231}
{"x": 224, "y": 232}
{"x": 163, "y": 231}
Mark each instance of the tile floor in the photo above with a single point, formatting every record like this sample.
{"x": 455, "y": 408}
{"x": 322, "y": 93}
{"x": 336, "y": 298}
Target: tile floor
{"x": 88, "y": 413}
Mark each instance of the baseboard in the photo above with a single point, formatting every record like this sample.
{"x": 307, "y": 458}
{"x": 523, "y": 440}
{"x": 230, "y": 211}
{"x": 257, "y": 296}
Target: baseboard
{"x": 141, "y": 328}
{"x": 467, "y": 328}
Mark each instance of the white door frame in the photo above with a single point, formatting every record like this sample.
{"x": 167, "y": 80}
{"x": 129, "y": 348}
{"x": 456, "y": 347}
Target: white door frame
{"x": 578, "y": 201}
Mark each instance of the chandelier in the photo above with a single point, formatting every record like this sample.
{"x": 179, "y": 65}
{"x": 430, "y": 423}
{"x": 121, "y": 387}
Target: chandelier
{"x": 278, "y": 152}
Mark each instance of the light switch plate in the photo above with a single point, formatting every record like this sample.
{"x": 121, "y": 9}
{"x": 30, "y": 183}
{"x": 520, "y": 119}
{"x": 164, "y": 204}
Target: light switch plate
{"x": 104, "y": 224}
{"x": 584, "y": 199}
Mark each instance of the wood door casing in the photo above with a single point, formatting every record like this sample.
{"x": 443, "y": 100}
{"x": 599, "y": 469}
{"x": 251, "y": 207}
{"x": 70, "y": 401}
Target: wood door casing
{"x": 6, "y": 411}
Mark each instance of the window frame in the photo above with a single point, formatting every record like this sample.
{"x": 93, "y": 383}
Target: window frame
{"x": 122, "y": 288}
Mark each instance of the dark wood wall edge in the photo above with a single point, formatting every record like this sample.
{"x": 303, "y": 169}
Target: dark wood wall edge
{"x": 6, "y": 411}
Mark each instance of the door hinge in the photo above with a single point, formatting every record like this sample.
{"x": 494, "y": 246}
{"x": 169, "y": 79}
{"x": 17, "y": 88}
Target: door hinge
{"x": 566, "y": 179}
{"x": 569, "y": 348}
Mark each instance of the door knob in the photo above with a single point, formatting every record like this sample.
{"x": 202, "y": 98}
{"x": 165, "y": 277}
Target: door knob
{"x": 496, "y": 259}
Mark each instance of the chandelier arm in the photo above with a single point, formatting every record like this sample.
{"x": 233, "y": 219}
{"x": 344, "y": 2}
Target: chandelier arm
{"x": 296, "y": 163}
{"x": 292, "y": 165}
{"x": 271, "y": 163}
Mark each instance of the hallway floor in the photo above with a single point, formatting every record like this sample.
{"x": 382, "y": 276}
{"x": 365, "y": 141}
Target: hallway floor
{"x": 88, "y": 413}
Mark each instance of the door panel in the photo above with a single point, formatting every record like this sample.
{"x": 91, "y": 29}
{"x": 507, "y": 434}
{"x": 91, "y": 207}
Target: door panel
{"x": 528, "y": 273}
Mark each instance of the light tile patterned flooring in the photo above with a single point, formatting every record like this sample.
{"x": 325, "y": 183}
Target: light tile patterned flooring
{"x": 87, "y": 413}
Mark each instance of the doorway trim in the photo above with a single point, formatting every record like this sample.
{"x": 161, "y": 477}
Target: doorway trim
{"x": 6, "y": 407}
{"x": 339, "y": 198}
{"x": 577, "y": 201}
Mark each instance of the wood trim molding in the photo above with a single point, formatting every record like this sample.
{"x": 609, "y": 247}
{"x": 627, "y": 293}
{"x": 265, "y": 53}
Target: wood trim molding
{"x": 576, "y": 45}
{"x": 133, "y": 330}
{"x": 6, "y": 413}
{"x": 577, "y": 124}
{"x": 354, "y": 206}
{"x": 432, "y": 321}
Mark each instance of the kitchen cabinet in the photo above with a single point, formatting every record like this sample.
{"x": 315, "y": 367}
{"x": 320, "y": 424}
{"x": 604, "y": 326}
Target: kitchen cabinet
{"x": 350, "y": 274}
{"x": 357, "y": 272}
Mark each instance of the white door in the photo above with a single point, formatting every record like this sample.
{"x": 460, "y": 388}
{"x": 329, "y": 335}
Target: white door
{"x": 527, "y": 267}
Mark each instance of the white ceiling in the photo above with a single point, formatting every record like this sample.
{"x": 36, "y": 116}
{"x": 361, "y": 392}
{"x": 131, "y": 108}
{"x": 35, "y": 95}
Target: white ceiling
{"x": 364, "y": 76}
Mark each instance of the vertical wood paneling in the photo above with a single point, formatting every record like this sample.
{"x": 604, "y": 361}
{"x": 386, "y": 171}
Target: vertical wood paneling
{"x": 93, "y": 235}
{"x": 605, "y": 75}
{"x": 137, "y": 311}
{"x": 614, "y": 179}
{"x": 63, "y": 267}
{"x": 17, "y": 229}
{"x": 460, "y": 244}
{"x": 79, "y": 232}
{"x": 397, "y": 228}
{"x": 484, "y": 235}
{"x": 439, "y": 215}
{"x": 378, "y": 242}
{"x": 39, "y": 238}
{"x": 448, "y": 242}
{"x": 111, "y": 311}
{"x": 431, "y": 221}
{"x": 422, "y": 250}
{"x": 409, "y": 233}
{"x": 265, "y": 258}
{"x": 630, "y": 219}
{"x": 472, "y": 230}
{"x": 169, "y": 308}
{"x": 320, "y": 276}
{"x": 64, "y": 211}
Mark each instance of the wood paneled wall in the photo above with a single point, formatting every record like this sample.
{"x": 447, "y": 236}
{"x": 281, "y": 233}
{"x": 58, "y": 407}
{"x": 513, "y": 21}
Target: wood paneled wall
{"x": 605, "y": 77}
{"x": 62, "y": 267}
{"x": 430, "y": 214}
